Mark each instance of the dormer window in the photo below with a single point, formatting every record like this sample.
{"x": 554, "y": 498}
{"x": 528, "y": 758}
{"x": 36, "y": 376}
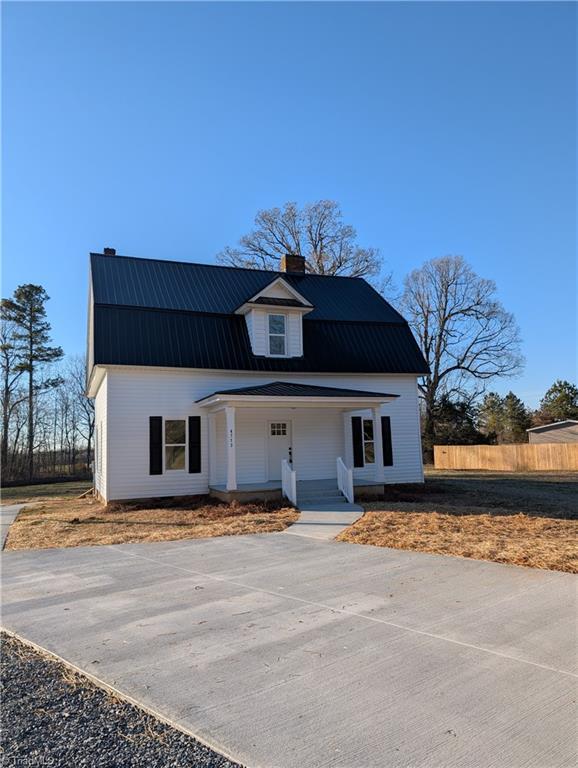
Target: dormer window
{"x": 277, "y": 335}
{"x": 274, "y": 319}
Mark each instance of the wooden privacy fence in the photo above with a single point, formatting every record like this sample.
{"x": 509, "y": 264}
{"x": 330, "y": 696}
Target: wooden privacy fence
{"x": 508, "y": 458}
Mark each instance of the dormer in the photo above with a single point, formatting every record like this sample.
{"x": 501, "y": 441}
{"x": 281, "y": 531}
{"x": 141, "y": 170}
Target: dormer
{"x": 274, "y": 320}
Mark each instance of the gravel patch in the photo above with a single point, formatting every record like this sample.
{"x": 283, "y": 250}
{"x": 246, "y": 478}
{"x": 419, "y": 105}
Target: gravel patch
{"x": 52, "y": 716}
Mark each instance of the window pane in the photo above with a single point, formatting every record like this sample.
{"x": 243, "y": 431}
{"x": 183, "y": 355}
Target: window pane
{"x": 175, "y": 457}
{"x": 175, "y": 432}
{"x": 367, "y": 429}
{"x": 277, "y": 345}
{"x": 277, "y": 324}
{"x": 369, "y": 453}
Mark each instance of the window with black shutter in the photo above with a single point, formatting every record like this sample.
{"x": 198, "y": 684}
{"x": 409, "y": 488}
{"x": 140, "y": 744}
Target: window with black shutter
{"x": 386, "y": 440}
{"x": 155, "y": 445}
{"x": 194, "y": 444}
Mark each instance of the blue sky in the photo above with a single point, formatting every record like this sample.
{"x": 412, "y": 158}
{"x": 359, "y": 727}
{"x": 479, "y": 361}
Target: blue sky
{"x": 161, "y": 128}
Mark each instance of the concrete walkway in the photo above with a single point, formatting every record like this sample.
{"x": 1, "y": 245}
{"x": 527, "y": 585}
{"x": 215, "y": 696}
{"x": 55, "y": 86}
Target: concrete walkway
{"x": 287, "y": 652}
{"x": 324, "y": 510}
{"x": 7, "y": 516}
{"x": 325, "y": 521}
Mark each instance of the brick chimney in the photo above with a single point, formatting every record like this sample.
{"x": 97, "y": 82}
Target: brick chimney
{"x": 109, "y": 251}
{"x": 291, "y": 262}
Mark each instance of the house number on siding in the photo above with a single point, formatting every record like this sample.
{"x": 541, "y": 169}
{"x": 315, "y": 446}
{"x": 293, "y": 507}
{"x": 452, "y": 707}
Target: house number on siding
{"x": 230, "y": 438}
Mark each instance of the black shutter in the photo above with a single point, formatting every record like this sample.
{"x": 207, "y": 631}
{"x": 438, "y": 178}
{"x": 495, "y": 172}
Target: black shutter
{"x": 155, "y": 445}
{"x": 357, "y": 433}
{"x": 386, "y": 441}
{"x": 194, "y": 444}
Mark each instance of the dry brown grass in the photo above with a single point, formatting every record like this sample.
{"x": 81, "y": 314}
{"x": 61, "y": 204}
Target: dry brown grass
{"x": 517, "y": 539}
{"x": 87, "y": 522}
{"x": 23, "y": 493}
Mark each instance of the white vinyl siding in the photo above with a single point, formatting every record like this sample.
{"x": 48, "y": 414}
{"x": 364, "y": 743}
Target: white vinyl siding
{"x": 129, "y": 396}
{"x": 405, "y": 433}
{"x": 101, "y": 422}
{"x": 278, "y": 291}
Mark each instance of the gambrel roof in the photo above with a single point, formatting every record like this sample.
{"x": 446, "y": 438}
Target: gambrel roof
{"x": 177, "y": 314}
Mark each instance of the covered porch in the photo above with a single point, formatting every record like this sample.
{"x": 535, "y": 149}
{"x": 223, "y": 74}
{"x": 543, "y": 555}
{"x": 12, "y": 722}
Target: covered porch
{"x": 282, "y": 438}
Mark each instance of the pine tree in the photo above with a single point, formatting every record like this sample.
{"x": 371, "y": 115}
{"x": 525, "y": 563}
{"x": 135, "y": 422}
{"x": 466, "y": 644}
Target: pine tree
{"x": 516, "y": 420}
{"x": 10, "y": 394}
{"x": 26, "y": 309}
{"x": 491, "y": 416}
{"x": 560, "y": 402}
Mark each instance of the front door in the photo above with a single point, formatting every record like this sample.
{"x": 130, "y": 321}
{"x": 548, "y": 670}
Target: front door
{"x": 279, "y": 445}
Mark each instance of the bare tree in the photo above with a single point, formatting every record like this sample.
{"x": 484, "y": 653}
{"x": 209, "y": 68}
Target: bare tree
{"x": 316, "y": 232}
{"x": 85, "y": 425}
{"x": 465, "y": 333}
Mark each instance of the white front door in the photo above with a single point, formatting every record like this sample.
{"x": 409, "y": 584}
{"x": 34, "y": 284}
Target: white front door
{"x": 279, "y": 446}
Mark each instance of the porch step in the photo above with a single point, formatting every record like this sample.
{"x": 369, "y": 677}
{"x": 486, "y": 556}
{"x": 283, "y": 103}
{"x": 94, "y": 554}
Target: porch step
{"x": 317, "y": 485}
{"x": 338, "y": 509}
{"x": 331, "y": 497}
{"x": 312, "y": 493}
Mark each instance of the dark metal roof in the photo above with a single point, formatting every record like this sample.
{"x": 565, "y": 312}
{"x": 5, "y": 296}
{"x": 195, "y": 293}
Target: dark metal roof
{"x": 124, "y": 280}
{"x": 129, "y": 336}
{"x": 172, "y": 314}
{"x": 274, "y": 302}
{"x": 555, "y": 425}
{"x": 289, "y": 389}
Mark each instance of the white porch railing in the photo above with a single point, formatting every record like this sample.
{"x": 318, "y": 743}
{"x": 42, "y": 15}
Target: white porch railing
{"x": 345, "y": 479}
{"x": 289, "y": 482}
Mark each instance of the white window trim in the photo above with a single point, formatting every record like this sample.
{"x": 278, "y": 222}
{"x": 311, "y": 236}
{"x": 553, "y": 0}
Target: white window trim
{"x": 364, "y": 441}
{"x": 168, "y": 445}
{"x": 285, "y": 335}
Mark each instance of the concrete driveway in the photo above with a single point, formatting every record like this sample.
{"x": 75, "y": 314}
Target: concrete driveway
{"x": 286, "y": 652}
{"x": 8, "y": 514}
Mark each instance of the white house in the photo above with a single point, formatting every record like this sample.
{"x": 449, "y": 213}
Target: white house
{"x": 242, "y": 382}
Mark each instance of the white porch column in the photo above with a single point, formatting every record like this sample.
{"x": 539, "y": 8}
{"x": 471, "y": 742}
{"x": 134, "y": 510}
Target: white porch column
{"x": 347, "y": 446}
{"x": 378, "y": 444}
{"x": 212, "y": 448}
{"x": 231, "y": 448}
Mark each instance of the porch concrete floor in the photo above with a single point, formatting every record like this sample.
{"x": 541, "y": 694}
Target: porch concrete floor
{"x": 275, "y": 485}
{"x": 265, "y": 485}
{"x": 289, "y": 652}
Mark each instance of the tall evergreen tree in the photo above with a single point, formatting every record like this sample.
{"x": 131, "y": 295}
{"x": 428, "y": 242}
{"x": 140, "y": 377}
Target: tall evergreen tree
{"x": 26, "y": 309}
{"x": 560, "y": 402}
{"x": 10, "y": 394}
{"x": 516, "y": 420}
{"x": 455, "y": 423}
{"x": 491, "y": 416}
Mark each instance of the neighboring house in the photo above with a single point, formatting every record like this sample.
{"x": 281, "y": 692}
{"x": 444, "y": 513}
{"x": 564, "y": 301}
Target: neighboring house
{"x": 560, "y": 432}
{"x": 236, "y": 381}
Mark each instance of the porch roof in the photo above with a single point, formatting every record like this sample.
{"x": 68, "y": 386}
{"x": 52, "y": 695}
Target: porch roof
{"x": 284, "y": 391}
